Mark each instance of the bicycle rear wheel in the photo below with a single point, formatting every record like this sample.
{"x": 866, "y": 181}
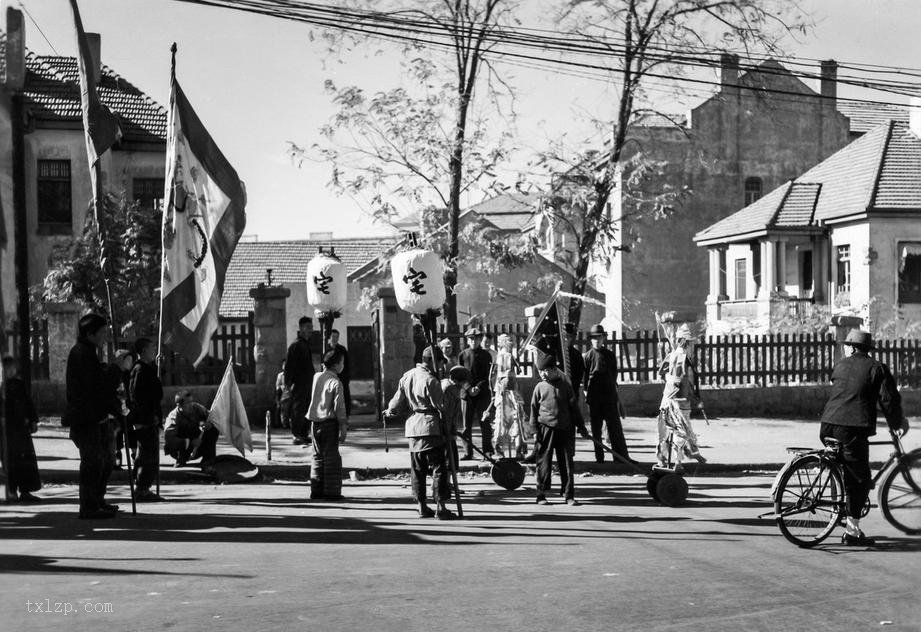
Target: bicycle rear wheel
{"x": 809, "y": 501}
{"x": 900, "y": 495}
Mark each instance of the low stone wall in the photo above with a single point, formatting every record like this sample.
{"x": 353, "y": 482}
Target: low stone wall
{"x": 50, "y": 398}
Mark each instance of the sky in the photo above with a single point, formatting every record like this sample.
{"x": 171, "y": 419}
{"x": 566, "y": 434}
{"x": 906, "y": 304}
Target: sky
{"x": 257, "y": 83}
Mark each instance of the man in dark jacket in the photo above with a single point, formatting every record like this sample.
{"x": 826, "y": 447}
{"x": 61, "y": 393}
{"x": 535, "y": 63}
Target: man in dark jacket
{"x": 600, "y": 380}
{"x": 476, "y": 397}
{"x": 89, "y": 399}
{"x": 146, "y": 415}
{"x": 858, "y": 383}
{"x": 576, "y": 364}
{"x": 345, "y": 375}
{"x": 299, "y": 372}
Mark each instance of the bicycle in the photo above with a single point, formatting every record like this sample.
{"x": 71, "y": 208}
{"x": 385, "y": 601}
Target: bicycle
{"x": 809, "y": 495}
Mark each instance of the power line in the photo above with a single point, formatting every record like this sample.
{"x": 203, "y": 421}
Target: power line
{"x": 23, "y": 7}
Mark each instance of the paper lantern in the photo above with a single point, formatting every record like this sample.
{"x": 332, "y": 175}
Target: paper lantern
{"x": 326, "y": 283}
{"x": 418, "y": 280}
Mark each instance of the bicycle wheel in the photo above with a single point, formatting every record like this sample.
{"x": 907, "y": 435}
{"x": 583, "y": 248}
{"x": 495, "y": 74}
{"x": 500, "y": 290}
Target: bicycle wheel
{"x": 900, "y": 495}
{"x": 809, "y": 501}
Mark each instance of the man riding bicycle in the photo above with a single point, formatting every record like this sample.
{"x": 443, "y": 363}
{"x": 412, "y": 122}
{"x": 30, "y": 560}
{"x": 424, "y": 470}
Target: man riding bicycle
{"x": 858, "y": 383}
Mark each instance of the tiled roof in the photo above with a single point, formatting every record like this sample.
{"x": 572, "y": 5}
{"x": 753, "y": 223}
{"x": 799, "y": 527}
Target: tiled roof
{"x": 881, "y": 170}
{"x": 865, "y": 116}
{"x": 508, "y": 211}
{"x": 52, "y": 93}
{"x": 798, "y": 205}
{"x": 288, "y": 260}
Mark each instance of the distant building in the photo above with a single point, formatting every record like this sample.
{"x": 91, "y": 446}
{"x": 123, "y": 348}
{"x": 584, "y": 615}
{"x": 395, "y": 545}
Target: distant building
{"x": 56, "y": 186}
{"x": 846, "y": 233}
{"x": 731, "y": 149}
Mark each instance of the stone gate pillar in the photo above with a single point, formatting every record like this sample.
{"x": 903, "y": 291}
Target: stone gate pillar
{"x": 396, "y": 341}
{"x": 63, "y": 319}
{"x": 269, "y": 314}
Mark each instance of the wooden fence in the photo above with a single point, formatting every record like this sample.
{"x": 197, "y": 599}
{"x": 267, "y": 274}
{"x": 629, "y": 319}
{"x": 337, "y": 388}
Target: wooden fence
{"x": 231, "y": 340}
{"x": 732, "y": 360}
{"x": 38, "y": 346}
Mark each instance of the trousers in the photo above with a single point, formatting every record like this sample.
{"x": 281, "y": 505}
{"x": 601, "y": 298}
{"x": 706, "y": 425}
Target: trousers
{"x": 148, "y": 461}
{"x": 326, "y": 467}
{"x": 473, "y": 413}
{"x": 856, "y": 457}
{"x": 606, "y": 412}
{"x": 300, "y": 425}
{"x": 436, "y": 459}
{"x": 91, "y": 442}
{"x": 563, "y": 444}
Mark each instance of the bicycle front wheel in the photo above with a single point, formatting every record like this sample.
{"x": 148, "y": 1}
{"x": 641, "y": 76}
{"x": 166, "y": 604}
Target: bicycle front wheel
{"x": 900, "y": 495}
{"x": 809, "y": 501}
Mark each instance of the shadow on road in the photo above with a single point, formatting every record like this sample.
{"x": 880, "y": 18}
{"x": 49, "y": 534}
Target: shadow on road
{"x": 36, "y": 564}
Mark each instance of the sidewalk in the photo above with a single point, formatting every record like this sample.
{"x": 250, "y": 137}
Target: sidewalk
{"x": 730, "y": 445}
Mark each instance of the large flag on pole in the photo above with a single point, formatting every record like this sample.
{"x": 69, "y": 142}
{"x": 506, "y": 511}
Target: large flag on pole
{"x": 203, "y": 218}
{"x": 228, "y": 414}
{"x": 99, "y": 124}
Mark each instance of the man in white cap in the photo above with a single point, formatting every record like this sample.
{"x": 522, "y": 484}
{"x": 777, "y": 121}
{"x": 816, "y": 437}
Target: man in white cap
{"x": 858, "y": 383}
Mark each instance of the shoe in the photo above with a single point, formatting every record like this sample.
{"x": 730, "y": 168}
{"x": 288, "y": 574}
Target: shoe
{"x": 572, "y": 502}
{"x": 179, "y": 464}
{"x": 28, "y": 497}
{"x": 298, "y": 441}
{"x": 148, "y": 497}
{"x": 446, "y": 514}
{"x": 468, "y": 457}
{"x": 426, "y": 512}
{"x": 857, "y": 540}
{"x": 601, "y": 460}
{"x": 542, "y": 500}
{"x": 110, "y": 507}
{"x": 531, "y": 458}
{"x": 700, "y": 458}
{"x": 99, "y": 514}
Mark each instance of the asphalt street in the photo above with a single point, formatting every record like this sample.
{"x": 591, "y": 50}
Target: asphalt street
{"x": 262, "y": 557}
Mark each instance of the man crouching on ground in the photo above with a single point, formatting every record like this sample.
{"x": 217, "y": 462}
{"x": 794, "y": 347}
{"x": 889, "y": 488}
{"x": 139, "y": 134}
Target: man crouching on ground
{"x": 556, "y": 415}
{"x": 419, "y": 395}
{"x": 329, "y": 425}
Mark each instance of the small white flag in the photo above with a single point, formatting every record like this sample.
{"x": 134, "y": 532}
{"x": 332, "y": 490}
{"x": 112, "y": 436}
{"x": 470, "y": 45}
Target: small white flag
{"x": 228, "y": 414}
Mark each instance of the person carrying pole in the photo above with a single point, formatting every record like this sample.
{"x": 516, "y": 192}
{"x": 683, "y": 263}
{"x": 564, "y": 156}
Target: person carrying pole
{"x": 420, "y": 396}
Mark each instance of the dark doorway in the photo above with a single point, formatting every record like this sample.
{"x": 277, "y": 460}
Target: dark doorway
{"x": 360, "y": 342}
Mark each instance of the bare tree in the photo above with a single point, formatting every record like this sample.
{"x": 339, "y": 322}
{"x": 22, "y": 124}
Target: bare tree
{"x": 651, "y": 39}
{"x": 427, "y": 144}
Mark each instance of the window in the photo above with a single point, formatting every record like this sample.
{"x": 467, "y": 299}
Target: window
{"x": 843, "y": 276}
{"x": 806, "y": 271}
{"x": 910, "y": 272}
{"x": 148, "y": 191}
{"x": 741, "y": 278}
{"x": 54, "y": 202}
{"x": 753, "y": 190}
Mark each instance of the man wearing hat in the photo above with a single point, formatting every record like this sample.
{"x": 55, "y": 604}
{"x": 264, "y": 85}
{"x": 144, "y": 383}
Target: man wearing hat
{"x": 476, "y": 396}
{"x": 576, "y": 366}
{"x": 419, "y": 396}
{"x": 91, "y": 390}
{"x": 601, "y": 393}
{"x": 858, "y": 383}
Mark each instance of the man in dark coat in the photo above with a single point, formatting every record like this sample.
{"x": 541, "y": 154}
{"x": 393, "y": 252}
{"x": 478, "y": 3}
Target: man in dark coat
{"x": 858, "y": 383}
{"x": 145, "y": 395}
{"x": 600, "y": 380}
{"x": 90, "y": 391}
{"x": 299, "y": 370}
{"x": 20, "y": 423}
{"x": 576, "y": 364}
{"x": 476, "y": 397}
{"x": 345, "y": 375}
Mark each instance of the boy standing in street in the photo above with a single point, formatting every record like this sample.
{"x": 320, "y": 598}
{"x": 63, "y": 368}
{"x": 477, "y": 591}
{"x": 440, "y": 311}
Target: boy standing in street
{"x": 555, "y": 414}
{"x": 145, "y": 395}
{"x": 329, "y": 426}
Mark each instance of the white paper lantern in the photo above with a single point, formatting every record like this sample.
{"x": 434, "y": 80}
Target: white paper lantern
{"x": 326, "y": 283}
{"x": 418, "y": 280}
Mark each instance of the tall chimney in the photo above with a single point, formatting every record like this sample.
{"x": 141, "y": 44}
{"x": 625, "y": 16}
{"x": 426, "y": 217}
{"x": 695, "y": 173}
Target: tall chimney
{"x": 15, "y": 50}
{"x": 828, "y": 86}
{"x": 729, "y": 72}
{"x": 95, "y": 64}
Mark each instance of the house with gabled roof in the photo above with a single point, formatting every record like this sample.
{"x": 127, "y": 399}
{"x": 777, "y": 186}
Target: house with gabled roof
{"x": 846, "y": 233}
{"x": 43, "y": 93}
{"x": 761, "y": 129}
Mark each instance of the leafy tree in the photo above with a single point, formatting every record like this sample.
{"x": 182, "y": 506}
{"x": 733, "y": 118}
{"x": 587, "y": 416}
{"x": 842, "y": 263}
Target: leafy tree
{"x": 648, "y": 39}
{"x": 133, "y": 267}
{"x": 427, "y": 145}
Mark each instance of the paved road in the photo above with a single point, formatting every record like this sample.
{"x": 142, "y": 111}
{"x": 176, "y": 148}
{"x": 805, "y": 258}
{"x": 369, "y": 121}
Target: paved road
{"x": 262, "y": 558}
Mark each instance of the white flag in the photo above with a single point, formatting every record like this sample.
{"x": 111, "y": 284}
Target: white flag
{"x": 228, "y": 414}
